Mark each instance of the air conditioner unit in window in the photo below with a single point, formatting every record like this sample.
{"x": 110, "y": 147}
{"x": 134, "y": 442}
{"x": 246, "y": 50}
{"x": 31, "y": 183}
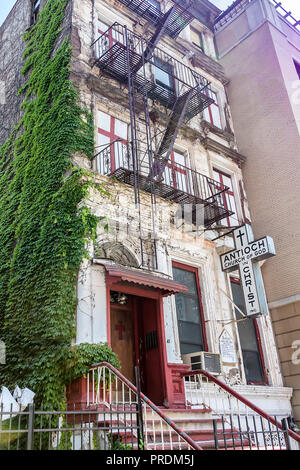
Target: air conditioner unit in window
{"x": 210, "y": 362}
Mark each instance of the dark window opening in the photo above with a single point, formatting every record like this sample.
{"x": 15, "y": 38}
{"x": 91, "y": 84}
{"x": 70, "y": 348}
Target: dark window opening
{"x": 297, "y": 66}
{"x": 163, "y": 75}
{"x": 189, "y": 311}
{"x": 35, "y": 8}
{"x": 197, "y": 39}
{"x": 155, "y": 4}
{"x": 249, "y": 339}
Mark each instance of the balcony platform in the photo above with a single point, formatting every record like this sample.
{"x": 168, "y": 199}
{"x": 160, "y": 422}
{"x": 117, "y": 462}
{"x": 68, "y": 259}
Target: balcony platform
{"x": 208, "y": 211}
{"x": 117, "y": 60}
{"x": 180, "y": 17}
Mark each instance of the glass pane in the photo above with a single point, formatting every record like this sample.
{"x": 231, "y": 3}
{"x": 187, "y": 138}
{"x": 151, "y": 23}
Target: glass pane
{"x": 155, "y": 4}
{"x": 248, "y": 338}
{"x": 196, "y": 38}
{"x": 187, "y": 308}
{"x": 190, "y": 333}
{"x": 215, "y": 111}
{"x": 103, "y": 141}
{"x": 163, "y": 77}
{"x": 102, "y": 26}
{"x": 216, "y": 176}
{"x": 188, "y": 313}
{"x": 121, "y": 155}
{"x": 179, "y": 158}
{"x": 187, "y": 278}
{"x": 206, "y": 115}
{"x": 227, "y": 181}
{"x": 121, "y": 129}
{"x": 104, "y": 121}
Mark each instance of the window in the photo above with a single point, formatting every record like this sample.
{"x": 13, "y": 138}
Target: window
{"x": 154, "y": 4}
{"x": 35, "y": 8}
{"x": 189, "y": 310}
{"x": 212, "y": 113}
{"x": 297, "y": 66}
{"x": 163, "y": 75}
{"x": 177, "y": 174}
{"x": 197, "y": 39}
{"x": 249, "y": 339}
{"x": 112, "y": 130}
{"x": 227, "y": 198}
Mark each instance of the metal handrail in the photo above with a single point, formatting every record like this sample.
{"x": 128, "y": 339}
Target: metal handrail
{"x": 181, "y": 72}
{"x": 148, "y": 402}
{"x": 189, "y": 181}
{"x": 241, "y": 399}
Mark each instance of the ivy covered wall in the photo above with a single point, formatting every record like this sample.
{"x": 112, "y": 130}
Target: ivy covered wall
{"x": 43, "y": 232}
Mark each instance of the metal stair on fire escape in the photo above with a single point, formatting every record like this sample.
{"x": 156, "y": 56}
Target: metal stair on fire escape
{"x": 124, "y": 55}
{"x": 179, "y": 15}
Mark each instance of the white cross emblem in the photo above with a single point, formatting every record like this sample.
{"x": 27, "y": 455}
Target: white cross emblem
{"x": 245, "y": 256}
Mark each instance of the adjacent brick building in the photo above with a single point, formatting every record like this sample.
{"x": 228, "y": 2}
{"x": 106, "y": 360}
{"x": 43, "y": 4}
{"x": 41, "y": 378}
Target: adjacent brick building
{"x": 259, "y": 47}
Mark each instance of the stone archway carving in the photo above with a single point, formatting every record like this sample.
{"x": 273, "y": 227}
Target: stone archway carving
{"x": 118, "y": 253}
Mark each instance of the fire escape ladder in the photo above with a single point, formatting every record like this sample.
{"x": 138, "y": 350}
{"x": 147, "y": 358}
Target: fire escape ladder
{"x": 170, "y": 135}
{"x": 174, "y": 124}
{"x": 159, "y": 32}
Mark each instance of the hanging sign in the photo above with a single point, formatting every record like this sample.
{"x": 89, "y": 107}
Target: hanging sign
{"x": 245, "y": 257}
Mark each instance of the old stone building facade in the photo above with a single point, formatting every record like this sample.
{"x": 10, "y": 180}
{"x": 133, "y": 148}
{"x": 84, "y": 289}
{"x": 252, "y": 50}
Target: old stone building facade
{"x": 267, "y": 129}
{"x": 166, "y": 154}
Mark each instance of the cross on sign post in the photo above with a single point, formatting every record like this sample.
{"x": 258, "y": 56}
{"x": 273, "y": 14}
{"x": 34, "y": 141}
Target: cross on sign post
{"x": 120, "y": 328}
{"x": 245, "y": 256}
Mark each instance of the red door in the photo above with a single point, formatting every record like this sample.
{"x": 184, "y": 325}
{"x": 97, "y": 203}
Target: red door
{"x": 149, "y": 350}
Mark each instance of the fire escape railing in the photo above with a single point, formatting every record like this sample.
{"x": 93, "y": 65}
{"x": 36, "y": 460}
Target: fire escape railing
{"x": 177, "y": 183}
{"x": 180, "y": 15}
{"x": 111, "y": 56}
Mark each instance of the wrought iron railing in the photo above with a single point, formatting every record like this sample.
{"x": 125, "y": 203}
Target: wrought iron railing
{"x": 187, "y": 185}
{"x": 240, "y": 419}
{"x": 120, "y": 51}
{"x": 100, "y": 428}
{"x": 106, "y": 386}
{"x": 239, "y": 5}
{"x": 181, "y": 15}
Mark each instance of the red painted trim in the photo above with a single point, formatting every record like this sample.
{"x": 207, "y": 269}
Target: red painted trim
{"x": 259, "y": 344}
{"x": 215, "y": 103}
{"x": 240, "y": 398}
{"x": 196, "y": 271}
{"x": 223, "y": 194}
{"x": 111, "y": 134}
{"x": 163, "y": 345}
{"x": 108, "y": 326}
{"x": 146, "y": 293}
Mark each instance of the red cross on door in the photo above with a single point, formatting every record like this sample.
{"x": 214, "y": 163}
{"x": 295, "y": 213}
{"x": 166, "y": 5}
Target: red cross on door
{"x": 120, "y": 328}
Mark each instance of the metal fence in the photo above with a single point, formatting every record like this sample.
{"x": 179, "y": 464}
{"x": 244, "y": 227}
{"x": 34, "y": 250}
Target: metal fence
{"x": 103, "y": 427}
{"x": 242, "y": 432}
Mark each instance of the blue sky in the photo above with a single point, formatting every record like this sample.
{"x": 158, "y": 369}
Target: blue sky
{"x": 5, "y": 7}
{"x": 293, "y": 5}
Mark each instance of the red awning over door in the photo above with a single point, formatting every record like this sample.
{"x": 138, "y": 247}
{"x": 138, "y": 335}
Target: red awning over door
{"x": 119, "y": 274}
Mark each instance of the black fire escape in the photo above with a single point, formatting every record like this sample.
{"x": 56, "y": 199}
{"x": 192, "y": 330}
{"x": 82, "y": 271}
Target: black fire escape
{"x": 132, "y": 60}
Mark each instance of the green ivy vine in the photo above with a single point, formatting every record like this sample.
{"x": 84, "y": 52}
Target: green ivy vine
{"x": 44, "y": 224}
